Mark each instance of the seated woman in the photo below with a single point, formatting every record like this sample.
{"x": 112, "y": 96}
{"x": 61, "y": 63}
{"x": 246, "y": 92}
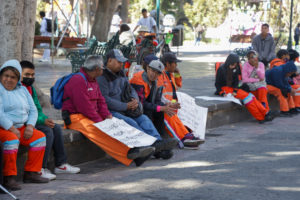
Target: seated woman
{"x": 227, "y": 82}
{"x": 18, "y": 116}
{"x": 253, "y": 75}
{"x": 85, "y": 106}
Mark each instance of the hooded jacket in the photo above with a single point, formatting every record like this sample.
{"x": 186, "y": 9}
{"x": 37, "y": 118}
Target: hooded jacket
{"x": 222, "y": 71}
{"x": 277, "y": 76}
{"x": 16, "y": 106}
{"x": 264, "y": 47}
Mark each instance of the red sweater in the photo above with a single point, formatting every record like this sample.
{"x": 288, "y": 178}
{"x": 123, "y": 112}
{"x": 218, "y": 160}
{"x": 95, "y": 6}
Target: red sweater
{"x": 85, "y": 97}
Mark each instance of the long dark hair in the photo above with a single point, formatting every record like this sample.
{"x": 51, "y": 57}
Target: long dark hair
{"x": 231, "y": 59}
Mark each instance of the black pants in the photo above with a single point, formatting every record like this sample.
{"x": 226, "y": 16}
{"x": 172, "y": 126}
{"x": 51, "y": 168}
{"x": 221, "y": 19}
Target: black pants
{"x": 158, "y": 121}
{"x": 55, "y": 141}
{"x": 1, "y": 157}
{"x": 296, "y": 37}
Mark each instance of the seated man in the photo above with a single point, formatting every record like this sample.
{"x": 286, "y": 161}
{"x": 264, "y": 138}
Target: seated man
{"x": 278, "y": 85}
{"x": 282, "y": 57}
{"x": 123, "y": 101}
{"x": 170, "y": 82}
{"x": 85, "y": 106}
{"x": 145, "y": 84}
{"x": 227, "y": 82}
{"x": 54, "y": 135}
{"x": 253, "y": 75}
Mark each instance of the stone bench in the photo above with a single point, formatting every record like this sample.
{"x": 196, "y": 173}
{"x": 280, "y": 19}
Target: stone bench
{"x": 79, "y": 149}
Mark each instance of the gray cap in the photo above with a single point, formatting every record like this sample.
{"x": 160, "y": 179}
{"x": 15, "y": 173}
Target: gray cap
{"x": 117, "y": 54}
{"x": 157, "y": 65}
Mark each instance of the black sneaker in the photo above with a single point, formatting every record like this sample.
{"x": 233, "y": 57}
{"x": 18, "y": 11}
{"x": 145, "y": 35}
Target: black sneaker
{"x": 165, "y": 144}
{"x": 285, "y": 114}
{"x": 165, "y": 154}
{"x": 139, "y": 152}
{"x": 294, "y": 111}
{"x": 139, "y": 161}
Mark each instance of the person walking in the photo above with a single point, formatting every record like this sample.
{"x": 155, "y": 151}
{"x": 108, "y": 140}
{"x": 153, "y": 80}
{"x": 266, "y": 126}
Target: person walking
{"x": 147, "y": 21}
{"x": 44, "y": 32}
{"x": 296, "y": 36}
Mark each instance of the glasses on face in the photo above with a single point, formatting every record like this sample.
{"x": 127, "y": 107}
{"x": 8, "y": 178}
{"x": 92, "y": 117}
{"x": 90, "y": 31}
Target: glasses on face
{"x": 253, "y": 56}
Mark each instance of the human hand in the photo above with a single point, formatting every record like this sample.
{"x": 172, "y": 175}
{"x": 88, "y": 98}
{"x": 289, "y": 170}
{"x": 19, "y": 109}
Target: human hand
{"x": 174, "y": 105}
{"x": 168, "y": 110}
{"x": 28, "y": 132}
{"x": 109, "y": 116}
{"x": 15, "y": 131}
{"x": 176, "y": 71}
{"x": 293, "y": 92}
{"x": 50, "y": 123}
{"x": 133, "y": 104}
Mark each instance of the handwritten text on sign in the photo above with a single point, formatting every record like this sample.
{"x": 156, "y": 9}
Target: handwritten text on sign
{"x": 192, "y": 115}
{"x": 125, "y": 133}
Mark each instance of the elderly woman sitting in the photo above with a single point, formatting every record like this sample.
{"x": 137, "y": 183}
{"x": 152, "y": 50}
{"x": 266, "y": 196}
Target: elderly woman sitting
{"x": 253, "y": 75}
{"x": 18, "y": 116}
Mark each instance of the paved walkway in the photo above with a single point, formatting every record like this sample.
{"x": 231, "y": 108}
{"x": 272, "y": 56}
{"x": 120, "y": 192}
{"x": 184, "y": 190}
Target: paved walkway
{"x": 243, "y": 161}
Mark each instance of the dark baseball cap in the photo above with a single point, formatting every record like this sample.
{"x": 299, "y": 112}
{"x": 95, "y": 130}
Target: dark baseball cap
{"x": 117, "y": 54}
{"x": 149, "y": 58}
{"x": 170, "y": 57}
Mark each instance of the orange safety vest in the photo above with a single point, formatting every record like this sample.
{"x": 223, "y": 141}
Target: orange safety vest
{"x": 164, "y": 80}
{"x": 139, "y": 80}
{"x": 276, "y": 62}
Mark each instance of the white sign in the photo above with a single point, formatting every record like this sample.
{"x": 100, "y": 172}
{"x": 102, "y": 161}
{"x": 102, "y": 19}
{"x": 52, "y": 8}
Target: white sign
{"x": 192, "y": 115}
{"x": 227, "y": 98}
{"x": 125, "y": 133}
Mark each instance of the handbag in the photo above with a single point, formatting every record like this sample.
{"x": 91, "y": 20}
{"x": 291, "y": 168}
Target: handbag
{"x": 126, "y": 97}
{"x": 254, "y": 86}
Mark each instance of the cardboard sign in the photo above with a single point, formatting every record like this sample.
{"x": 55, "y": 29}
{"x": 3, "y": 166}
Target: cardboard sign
{"x": 192, "y": 115}
{"x": 229, "y": 97}
{"x": 125, "y": 133}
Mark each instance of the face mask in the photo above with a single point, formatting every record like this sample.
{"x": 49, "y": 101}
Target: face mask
{"x": 285, "y": 60}
{"x": 28, "y": 81}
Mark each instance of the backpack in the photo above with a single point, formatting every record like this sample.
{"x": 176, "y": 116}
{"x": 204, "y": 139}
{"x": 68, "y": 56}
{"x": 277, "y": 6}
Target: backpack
{"x": 49, "y": 25}
{"x": 57, "y": 91}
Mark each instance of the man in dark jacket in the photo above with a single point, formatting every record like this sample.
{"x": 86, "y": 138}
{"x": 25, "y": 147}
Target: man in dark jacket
{"x": 113, "y": 85}
{"x": 278, "y": 85}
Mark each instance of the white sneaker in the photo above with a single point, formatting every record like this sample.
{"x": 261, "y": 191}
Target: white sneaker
{"x": 46, "y": 173}
{"x": 66, "y": 169}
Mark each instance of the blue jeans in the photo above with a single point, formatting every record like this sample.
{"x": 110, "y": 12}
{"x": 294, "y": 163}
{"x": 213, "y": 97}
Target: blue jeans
{"x": 142, "y": 123}
{"x": 55, "y": 141}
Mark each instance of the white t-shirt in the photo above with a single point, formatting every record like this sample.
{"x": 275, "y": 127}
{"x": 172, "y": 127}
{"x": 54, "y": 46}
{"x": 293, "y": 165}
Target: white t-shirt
{"x": 115, "y": 23}
{"x": 149, "y": 22}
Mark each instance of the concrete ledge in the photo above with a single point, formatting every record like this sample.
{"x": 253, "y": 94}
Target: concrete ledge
{"x": 221, "y": 112}
{"x": 79, "y": 149}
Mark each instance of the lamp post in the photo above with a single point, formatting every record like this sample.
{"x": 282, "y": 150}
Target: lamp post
{"x": 289, "y": 46}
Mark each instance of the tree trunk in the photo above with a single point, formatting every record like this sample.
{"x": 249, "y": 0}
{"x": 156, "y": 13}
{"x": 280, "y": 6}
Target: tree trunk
{"x": 124, "y": 11}
{"x": 17, "y": 19}
{"x": 105, "y": 11}
{"x": 28, "y": 29}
